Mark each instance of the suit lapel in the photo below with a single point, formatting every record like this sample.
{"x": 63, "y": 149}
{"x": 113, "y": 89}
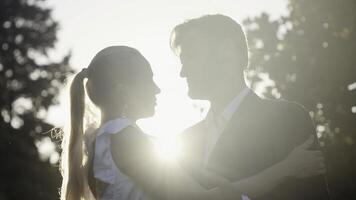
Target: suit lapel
{"x": 226, "y": 150}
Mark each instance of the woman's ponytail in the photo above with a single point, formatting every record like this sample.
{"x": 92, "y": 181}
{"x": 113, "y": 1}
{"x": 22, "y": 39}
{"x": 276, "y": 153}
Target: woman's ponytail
{"x": 74, "y": 177}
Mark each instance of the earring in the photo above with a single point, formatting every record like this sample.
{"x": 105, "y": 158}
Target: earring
{"x": 124, "y": 111}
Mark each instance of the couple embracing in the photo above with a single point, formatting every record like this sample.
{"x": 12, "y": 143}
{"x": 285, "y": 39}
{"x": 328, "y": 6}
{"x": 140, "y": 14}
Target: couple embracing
{"x": 245, "y": 148}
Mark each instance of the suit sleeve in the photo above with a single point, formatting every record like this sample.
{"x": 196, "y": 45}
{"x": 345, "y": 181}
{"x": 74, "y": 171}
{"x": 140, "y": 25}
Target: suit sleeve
{"x": 298, "y": 128}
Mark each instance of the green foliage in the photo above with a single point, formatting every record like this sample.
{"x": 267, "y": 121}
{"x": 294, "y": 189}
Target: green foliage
{"x": 310, "y": 55}
{"x": 28, "y": 87}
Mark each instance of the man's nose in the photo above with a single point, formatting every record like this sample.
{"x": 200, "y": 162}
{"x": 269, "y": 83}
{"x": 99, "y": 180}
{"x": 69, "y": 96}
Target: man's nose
{"x": 183, "y": 72}
{"x": 157, "y": 89}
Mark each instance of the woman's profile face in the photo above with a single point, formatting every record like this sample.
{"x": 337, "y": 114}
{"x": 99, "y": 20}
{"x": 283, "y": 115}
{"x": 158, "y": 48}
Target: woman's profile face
{"x": 141, "y": 93}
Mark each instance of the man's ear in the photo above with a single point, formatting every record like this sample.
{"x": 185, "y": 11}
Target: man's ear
{"x": 227, "y": 49}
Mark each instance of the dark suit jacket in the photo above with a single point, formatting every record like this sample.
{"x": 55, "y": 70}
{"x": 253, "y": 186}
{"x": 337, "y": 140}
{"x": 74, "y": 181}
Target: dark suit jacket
{"x": 260, "y": 134}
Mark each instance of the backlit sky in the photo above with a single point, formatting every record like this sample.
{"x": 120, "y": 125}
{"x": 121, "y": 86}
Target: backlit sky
{"x": 87, "y": 26}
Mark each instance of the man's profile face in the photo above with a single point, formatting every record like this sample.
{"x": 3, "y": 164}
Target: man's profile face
{"x": 196, "y": 62}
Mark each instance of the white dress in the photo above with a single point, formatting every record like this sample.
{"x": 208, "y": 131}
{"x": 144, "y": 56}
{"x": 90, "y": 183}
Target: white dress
{"x": 120, "y": 187}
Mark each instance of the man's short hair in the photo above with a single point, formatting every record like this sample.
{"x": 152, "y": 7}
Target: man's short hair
{"x": 212, "y": 29}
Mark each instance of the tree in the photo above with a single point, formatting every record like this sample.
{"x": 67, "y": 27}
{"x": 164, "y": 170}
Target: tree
{"x": 28, "y": 88}
{"x": 310, "y": 57}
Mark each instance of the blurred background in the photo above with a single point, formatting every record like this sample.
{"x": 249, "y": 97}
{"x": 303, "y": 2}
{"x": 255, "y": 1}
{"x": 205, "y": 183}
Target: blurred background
{"x": 300, "y": 50}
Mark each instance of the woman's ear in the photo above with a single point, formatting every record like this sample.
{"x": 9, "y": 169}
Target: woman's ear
{"x": 118, "y": 91}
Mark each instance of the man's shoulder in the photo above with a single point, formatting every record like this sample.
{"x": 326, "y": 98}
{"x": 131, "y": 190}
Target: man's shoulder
{"x": 290, "y": 118}
{"x": 284, "y": 107}
{"x": 271, "y": 107}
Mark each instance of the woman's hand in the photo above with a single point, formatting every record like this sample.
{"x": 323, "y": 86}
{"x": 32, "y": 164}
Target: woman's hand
{"x": 226, "y": 190}
{"x": 303, "y": 163}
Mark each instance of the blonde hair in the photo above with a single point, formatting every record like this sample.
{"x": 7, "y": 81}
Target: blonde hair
{"x": 73, "y": 168}
{"x": 108, "y": 66}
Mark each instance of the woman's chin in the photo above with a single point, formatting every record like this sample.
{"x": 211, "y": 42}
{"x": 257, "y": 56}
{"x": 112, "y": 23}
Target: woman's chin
{"x": 148, "y": 113}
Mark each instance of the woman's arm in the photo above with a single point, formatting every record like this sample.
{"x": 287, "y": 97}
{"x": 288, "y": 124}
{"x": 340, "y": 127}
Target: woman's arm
{"x": 300, "y": 163}
{"x": 134, "y": 155}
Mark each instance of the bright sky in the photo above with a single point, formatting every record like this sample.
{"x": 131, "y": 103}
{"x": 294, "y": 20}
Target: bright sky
{"x": 87, "y": 26}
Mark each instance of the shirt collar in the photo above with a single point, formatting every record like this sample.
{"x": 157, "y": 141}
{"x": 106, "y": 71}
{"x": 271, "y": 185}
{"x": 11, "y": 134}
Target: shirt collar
{"x": 231, "y": 108}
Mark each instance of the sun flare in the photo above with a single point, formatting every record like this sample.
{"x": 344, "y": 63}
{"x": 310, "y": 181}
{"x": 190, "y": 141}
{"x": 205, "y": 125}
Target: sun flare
{"x": 167, "y": 149}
